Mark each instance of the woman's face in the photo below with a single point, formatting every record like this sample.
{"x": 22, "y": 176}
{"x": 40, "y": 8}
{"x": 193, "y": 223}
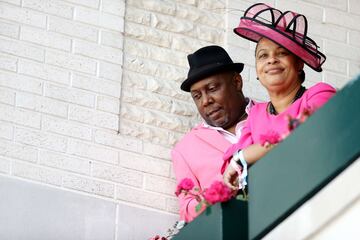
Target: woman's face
{"x": 276, "y": 68}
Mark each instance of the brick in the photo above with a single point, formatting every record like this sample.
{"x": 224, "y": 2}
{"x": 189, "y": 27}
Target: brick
{"x": 20, "y": 116}
{"x": 97, "y": 85}
{"x": 41, "y": 104}
{"x": 136, "y": 15}
{"x": 70, "y": 95}
{"x": 196, "y": 15}
{"x": 6, "y": 131}
{"x": 172, "y": 205}
{"x": 181, "y": 108}
{"x": 213, "y": 35}
{"x": 336, "y": 80}
{"x": 8, "y": 62}
{"x": 166, "y": 6}
{"x": 144, "y": 163}
{"x": 44, "y": 71}
{"x": 114, "y": 7}
{"x": 40, "y": 139}
{"x": 117, "y": 141}
{"x": 73, "y": 29}
{"x": 20, "y": 82}
{"x": 21, "y": 49}
{"x": 147, "y": 198}
{"x": 132, "y": 113}
{"x": 153, "y": 68}
{"x": 22, "y": 15}
{"x": 15, "y": 2}
{"x": 155, "y": 53}
{"x": 187, "y": 44}
{"x": 354, "y": 69}
{"x": 118, "y": 175}
{"x": 86, "y": 3}
{"x": 172, "y": 24}
{"x": 36, "y": 173}
{"x": 99, "y": 19}
{"x": 53, "y": 7}
{"x": 18, "y": 151}
{"x": 147, "y": 100}
{"x": 65, "y": 127}
{"x": 165, "y": 121}
{"x": 342, "y": 5}
{"x": 112, "y": 39}
{"x": 89, "y": 185}
{"x": 148, "y": 34}
{"x": 342, "y": 50}
{"x": 340, "y": 18}
{"x": 70, "y": 61}
{"x": 64, "y": 162}
{"x": 9, "y": 29}
{"x": 160, "y": 184}
{"x": 92, "y": 117}
{"x": 156, "y": 150}
{"x": 189, "y": 2}
{"x": 132, "y": 80}
{"x": 309, "y": 10}
{"x": 92, "y": 151}
{"x": 328, "y": 31}
{"x": 336, "y": 65}
{"x": 110, "y": 71}
{"x": 4, "y": 165}
{"x": 354, "y": 37}
{"x": 213, "y": 6}
{"x": 42, "y": 37}
{"x": 7, "y": 96}
{"x": 354, "y": 6}
{"x": 144, "y": 132}
{"x": 167, "y": 88}
{"x": 97, "y": 51}
{"x": 246, "y": 56}
{"x": 108, "y": 104}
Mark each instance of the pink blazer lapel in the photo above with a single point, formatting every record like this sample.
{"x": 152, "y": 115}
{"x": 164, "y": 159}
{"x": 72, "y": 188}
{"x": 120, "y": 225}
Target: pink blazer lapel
{"x": 213, "y": 138}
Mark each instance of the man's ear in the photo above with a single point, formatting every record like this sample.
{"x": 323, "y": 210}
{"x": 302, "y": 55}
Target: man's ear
{"x": 237, "y": 80}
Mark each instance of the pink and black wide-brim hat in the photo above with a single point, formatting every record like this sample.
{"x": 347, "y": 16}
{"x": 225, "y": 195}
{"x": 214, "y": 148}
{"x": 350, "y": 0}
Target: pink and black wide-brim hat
{"x": 288, "y": 29}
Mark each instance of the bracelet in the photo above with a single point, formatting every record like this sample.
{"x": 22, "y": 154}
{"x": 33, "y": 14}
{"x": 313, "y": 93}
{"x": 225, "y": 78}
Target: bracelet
{"x": 238, "y": 160}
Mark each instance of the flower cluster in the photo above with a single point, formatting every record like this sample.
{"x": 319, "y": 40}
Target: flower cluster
{"x": 272, "y": 137}
{"x": 217, "y": 192}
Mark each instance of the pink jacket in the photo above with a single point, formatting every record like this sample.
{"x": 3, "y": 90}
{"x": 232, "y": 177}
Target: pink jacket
{"x": 260, "y": 122}
{"x": 210, "y": 146}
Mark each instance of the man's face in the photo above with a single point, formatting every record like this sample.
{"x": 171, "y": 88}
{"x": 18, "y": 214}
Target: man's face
{"x": 219, "y": 99}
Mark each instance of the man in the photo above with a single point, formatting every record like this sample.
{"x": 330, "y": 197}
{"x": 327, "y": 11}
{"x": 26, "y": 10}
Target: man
{"x": 215, "y": 85}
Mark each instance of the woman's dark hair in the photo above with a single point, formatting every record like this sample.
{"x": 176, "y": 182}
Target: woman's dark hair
{"x": 302, "y": 76}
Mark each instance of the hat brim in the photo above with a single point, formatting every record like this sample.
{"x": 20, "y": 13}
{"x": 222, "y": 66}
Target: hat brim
{"x": 208, "y": 70}
{"x": 254, "y": 31}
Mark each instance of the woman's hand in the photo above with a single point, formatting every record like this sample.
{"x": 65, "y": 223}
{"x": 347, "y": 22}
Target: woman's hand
{"x": 230, "y": 178}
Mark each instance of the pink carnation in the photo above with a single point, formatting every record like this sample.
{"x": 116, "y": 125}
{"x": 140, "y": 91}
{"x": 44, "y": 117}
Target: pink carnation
{"x": 271, "y": 137}
{"x": 218, "y": 192}
{"x": 185, "y": 184}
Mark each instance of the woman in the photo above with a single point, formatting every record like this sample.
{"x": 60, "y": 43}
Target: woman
{"x": 282, "y": 49}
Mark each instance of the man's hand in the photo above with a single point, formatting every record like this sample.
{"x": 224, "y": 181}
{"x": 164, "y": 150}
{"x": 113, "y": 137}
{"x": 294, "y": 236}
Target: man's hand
{"x": 231, "y": 178}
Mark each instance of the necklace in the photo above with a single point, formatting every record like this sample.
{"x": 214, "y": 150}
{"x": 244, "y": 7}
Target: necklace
{"x": 298, "y": 95}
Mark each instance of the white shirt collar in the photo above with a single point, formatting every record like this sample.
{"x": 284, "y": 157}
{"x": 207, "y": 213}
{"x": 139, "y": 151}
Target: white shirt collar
{"x": 232, "y": 138}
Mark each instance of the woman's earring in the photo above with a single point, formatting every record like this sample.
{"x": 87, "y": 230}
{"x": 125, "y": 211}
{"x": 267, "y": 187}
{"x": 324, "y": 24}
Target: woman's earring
{"x": 257, "y": 78}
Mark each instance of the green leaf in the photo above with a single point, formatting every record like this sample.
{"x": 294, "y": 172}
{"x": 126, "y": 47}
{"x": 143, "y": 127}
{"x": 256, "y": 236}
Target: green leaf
{"x": 198, "y": 207}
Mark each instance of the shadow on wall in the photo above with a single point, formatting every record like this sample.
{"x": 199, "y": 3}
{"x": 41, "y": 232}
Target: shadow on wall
{"x": 32, "y": 211}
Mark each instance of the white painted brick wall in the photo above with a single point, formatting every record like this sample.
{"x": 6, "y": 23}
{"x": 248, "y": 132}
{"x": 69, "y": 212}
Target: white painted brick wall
{"x": 89, "y": 89}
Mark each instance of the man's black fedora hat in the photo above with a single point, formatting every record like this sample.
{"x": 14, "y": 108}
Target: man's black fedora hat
{"x": 208, "y": 61}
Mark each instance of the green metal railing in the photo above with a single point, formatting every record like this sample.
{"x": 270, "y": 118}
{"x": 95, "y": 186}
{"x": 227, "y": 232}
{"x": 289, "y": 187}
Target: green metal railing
{"x": 293, "y": 172}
